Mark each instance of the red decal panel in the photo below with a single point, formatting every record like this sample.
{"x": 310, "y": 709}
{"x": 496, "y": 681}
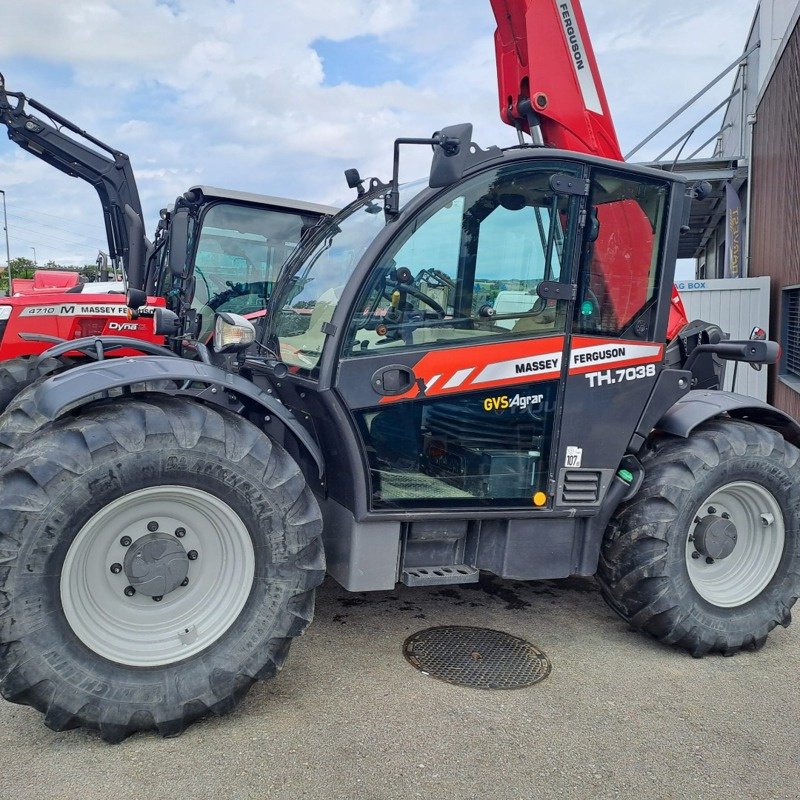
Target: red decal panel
{"x": 484, "y": 366}
{"x": 477, "y": 367}
{"x": 590, "y": 353}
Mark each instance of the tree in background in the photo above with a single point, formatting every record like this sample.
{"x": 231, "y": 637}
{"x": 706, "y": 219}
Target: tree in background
{"x": 20, "y": 268}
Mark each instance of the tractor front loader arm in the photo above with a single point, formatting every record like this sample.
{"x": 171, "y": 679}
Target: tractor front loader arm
{"x": 106, "y": 169}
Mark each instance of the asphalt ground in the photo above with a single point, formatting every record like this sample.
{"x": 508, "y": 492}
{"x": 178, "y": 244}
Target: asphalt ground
{"x": 619, "y": 717}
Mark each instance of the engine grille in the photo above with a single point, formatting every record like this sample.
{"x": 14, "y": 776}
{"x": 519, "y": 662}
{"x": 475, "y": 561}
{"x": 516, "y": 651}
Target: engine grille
{"x": 580, "y": 486}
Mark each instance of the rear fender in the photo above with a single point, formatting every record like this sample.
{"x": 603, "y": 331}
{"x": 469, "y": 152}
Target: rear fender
{"x": 696, "y": 407}
{"x": 76, "y": 387}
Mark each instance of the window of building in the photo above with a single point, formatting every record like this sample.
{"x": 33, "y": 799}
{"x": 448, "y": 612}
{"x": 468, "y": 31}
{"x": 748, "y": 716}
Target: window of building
{"x": 790, "y": 337}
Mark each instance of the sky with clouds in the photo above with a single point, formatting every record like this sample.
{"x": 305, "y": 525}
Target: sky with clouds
{"x": 280, "y": 96}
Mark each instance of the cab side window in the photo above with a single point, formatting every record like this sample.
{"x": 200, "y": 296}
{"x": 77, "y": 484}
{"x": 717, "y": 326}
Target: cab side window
{"x": 621, "y": 254}
{"x": 468, "y": 270}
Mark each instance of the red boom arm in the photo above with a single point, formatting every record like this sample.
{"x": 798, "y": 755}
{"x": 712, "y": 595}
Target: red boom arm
{"x": 545, "y": 64}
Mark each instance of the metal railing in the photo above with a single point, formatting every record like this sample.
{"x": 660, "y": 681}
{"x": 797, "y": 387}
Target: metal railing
{"x": 740, "y": 90}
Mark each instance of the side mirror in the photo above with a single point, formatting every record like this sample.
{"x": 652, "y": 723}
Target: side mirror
{"x": 450, "y": 155}
{"x": 178, "y": 237}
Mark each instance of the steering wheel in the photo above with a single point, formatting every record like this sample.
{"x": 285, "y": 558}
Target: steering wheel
{"x": 258, "y": 288}
{"x": 419, "y": 295}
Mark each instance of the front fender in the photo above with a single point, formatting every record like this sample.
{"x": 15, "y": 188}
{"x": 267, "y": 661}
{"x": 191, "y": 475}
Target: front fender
{"x": 697, "y": 407}
{"x": 74, "y": 387}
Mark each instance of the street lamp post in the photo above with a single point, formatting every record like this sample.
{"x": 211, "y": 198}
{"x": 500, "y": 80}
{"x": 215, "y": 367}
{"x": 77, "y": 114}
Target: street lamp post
{"x": 34, "y": 256}
{"x": 8, "y": 251}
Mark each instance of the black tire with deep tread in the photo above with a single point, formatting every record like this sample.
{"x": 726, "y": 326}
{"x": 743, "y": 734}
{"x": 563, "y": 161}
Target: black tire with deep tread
{"x": 642, "y": 571}
{"x": 73, "y": 467}
{"x": 14, "y": 376}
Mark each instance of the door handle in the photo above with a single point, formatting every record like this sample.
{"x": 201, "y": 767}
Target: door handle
{"x": 393, "y": 379}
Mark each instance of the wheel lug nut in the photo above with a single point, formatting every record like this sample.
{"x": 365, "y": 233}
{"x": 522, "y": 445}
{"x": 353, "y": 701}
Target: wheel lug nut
{"x": 695, "y": 554}
{"x": 152, "y": 526}
{"x": 129, "y": 591}
{"x": 180, "y": 532}
{"x": 725, "y": 515}
{"x": 125, "y": 541}
{"x": 712, "y": 510}
{"x": 185, "y": 582}
{"x": 192, "y": 555}
{"x": 116, "y": 568}
{"x": 157, "y": 598}
{"x": 709, "y": 560}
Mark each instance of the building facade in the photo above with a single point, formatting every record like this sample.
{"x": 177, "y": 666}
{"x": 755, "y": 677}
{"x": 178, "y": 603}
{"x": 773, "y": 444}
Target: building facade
{"x": 775, "y": 211}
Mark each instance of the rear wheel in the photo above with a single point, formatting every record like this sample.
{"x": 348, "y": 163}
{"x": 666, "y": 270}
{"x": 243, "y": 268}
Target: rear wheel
{"x": 706, "y": 555}
{"x": 159, "y": 558}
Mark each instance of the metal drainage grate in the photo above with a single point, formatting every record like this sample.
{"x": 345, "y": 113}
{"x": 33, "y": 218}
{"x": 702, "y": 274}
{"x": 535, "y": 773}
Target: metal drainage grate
{"x": 477, "y": 657}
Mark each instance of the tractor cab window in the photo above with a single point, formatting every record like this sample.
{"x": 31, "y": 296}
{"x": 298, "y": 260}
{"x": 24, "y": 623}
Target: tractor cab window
{"x": 622, "y": 252}
{"x": 309, "y": 297}
{"x": 239, "y": 252}
{"x": 469, "y": 268}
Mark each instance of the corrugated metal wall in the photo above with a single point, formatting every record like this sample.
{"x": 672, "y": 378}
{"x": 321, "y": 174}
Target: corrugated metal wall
{"x": 775, "y": 213}
{"x": 736, "y": 306}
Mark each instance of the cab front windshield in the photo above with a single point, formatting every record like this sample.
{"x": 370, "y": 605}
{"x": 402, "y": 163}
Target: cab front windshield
{"x": 240, "y": 250}
{"x": 309, "y": 296}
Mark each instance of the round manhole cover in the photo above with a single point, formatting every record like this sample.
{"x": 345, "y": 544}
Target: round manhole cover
{"x": 478, "y": 657}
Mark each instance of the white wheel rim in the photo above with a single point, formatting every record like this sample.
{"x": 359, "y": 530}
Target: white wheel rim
{"x": 761, "y": 535}
{"x": 138, "y": 631}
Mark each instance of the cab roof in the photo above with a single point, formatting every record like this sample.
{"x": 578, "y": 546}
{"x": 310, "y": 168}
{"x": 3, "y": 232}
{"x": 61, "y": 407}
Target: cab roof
{"x": 265, "y": 200}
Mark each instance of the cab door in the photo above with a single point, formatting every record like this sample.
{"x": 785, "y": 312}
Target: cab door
{"x": 617, "y": 346}
{"x": 451, "y": 363}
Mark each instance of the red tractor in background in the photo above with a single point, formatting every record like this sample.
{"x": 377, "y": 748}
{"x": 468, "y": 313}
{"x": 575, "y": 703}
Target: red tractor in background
{"x": 217, "y": 249}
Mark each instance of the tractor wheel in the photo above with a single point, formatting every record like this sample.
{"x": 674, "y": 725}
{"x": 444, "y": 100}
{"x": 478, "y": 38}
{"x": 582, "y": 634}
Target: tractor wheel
{"x": 14, "y": 376}
{"x": 706, "y": 556}
{"x": 158, "y": 556}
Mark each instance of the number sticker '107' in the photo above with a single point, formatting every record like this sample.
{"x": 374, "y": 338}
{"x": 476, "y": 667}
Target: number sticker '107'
{"x": 609, "y": 376}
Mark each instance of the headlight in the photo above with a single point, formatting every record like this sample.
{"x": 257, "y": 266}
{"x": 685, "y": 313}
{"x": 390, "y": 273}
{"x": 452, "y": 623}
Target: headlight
{"x": 5, "y": 312}
{"x": 232, "y": 332}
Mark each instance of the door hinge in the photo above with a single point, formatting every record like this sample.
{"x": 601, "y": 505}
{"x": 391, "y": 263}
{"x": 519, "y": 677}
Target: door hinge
{"x": 553, "y": 290}
{"x": 582, "y": 218}
{"x": 561, "y": 183}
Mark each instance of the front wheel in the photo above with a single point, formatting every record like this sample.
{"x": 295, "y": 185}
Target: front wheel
{"x": 706, "y": 555}
{"x": 17, "y": 373}
{"x": 159, "y": 557}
